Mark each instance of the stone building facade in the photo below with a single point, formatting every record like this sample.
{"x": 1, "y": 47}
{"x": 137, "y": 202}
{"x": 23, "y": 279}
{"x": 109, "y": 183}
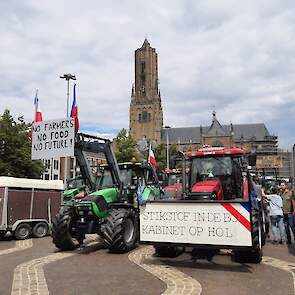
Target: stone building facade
{"x": 251, "y": 137}
{"x": 146, "y": 114}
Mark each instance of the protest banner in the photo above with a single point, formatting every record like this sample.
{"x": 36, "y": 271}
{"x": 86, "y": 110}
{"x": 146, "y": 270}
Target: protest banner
{"x": 53, "y": 139}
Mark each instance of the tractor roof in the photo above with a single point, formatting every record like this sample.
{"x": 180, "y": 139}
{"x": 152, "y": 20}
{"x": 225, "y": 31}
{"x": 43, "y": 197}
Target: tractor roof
{"x": 129, "y": 165}
{"x": 173, "y": 171}
{"x": 218, "y": 151}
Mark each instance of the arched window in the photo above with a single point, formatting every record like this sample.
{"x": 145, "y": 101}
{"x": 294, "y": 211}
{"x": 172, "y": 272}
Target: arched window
{"x": 139, "y": 117}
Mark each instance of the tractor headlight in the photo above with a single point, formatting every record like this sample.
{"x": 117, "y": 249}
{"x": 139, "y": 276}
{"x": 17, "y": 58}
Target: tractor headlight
{"x": 90, "y": 212}
{"x": 81, "y": 212}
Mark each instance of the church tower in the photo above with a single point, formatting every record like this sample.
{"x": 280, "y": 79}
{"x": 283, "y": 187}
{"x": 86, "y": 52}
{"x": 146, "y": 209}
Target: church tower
{"x": 146, "y": 114}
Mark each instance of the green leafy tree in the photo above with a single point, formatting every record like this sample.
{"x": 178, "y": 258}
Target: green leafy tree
{"x": 161, "y": 155}
{"x": 15, "y": 149}
{"x": 125, "y": 147}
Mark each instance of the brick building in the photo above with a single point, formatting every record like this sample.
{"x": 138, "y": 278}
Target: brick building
{"x": 251, "y": 137}
{"x": 146, "y": 114}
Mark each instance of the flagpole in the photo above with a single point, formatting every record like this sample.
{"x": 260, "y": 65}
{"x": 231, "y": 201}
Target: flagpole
{"x": 36, "y": 105}
{"x": 67, "y": 77}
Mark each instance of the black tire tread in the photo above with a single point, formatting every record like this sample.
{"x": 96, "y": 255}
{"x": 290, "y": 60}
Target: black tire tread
{"x": 168, "y": 251}
{"x": 113, "y": 230}
{"x": 61, "y": 235}
{"x": 34, "y": 230}
{"x": 16, "y": 234}
{"x": 255, "y": 254}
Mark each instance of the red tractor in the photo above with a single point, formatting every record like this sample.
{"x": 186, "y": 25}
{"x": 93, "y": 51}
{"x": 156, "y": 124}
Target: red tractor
{"x": 216, "y": 174}
{"x": 219, "y": 209}
{"x": 173, "y": 184}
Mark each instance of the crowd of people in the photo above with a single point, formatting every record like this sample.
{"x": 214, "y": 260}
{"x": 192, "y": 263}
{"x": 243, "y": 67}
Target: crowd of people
{"x": 281, "y": 202}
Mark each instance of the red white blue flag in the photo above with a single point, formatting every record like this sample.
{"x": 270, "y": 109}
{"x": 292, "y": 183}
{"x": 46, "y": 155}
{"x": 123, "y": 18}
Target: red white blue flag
{"x": 38, "y": 114}
{"x": 74, "y": 110}
{"x": 152, "y": 159}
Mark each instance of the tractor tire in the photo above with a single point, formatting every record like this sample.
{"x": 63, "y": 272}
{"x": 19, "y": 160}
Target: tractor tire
{"x": 61, "y": 230}
{"x": 255, "y": 254}
{"x": 23, "y": 231}
{"x": 120, "y": 230}
{"x": 168, "y": 251}
{"x": 40, "y": 230}
{"x": 2, "y": 234}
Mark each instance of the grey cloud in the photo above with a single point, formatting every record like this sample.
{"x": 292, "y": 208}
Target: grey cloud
{"x": 238, "y": 56}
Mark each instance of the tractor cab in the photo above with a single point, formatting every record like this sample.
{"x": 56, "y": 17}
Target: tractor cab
{"x": 217, "y": 174}
{"x": 75, "y": 190}
{"x": 173, "y": 184}
{"x": 134, "y": 177}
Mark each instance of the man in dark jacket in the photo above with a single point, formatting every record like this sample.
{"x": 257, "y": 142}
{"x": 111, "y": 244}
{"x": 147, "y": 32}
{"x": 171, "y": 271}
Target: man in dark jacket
{"x": 288, "y": 210}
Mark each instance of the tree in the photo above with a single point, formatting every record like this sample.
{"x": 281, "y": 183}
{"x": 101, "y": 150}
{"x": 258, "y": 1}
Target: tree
{"x": 161, "y": 155}
{"x": 15, "y": 149}
{"x": 125, "y": 147}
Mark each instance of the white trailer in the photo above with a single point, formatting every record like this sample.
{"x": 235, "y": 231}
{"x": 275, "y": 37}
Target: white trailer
{"x": 28, "y": 205}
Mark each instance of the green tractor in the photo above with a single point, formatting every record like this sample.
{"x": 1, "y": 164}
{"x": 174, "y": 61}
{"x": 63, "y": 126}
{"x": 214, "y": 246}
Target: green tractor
{"x": 111, "y": 211}
{"x": 76, "y": 189}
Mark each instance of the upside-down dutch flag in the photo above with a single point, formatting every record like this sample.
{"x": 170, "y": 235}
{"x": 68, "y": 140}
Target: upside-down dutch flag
{"x": 38, "y": 114}
{"x": 152, "y": 159}
{"x": 74, "y": 110}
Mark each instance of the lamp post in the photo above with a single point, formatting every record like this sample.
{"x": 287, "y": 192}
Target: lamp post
{"x": 167, "y": 145}
{"x": 67, "y": 77}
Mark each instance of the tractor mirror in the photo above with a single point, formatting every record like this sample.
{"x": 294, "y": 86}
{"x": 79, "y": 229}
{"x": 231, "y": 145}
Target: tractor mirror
{"x": 252, "y": 160}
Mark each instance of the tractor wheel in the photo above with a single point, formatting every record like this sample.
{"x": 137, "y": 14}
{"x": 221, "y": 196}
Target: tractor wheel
{"x": 168, "y": 251}
{"x": 120, "y": 231}
{"x": 255, "y": 254}
{"x": 61, "y": 230}
{"x": 40, "y": 230}
{"x": 23, "y": 231}
{"x": 2, "y": 234}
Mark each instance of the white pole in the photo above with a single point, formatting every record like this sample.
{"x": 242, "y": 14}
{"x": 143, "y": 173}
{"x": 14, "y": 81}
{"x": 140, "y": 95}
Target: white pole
{"x": 167, "y": 141}
{"x": 66, "y": 158}
{"x": 36, "y": 105}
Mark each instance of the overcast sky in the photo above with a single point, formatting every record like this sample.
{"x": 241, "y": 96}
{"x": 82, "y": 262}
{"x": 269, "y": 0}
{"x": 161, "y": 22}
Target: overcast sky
{"x": 238, "y": 56}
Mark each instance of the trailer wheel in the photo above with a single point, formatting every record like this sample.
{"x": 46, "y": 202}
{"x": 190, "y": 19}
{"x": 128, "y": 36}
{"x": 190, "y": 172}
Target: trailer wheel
{"x": 62, "y": 230}
{"x": 40, "y": 230}
{"x": 23, "y": 231}
{"x": 168, "y": 251}
{"x": 255, "y": 254}
{"x": 120, "y": 230}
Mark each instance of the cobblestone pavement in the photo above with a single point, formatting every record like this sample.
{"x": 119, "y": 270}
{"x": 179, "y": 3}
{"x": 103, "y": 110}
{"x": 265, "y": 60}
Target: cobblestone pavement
{"x": 178, "y": 283}
{"x": 29, "y": 277}
{"x": 40, "y": 269}
{"x": 19, "y": 246}
{"x": 284, "y": 265}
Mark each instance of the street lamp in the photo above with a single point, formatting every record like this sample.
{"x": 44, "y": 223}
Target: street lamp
{"x": 167, "y": 145}
{"x": 67, "y": 77}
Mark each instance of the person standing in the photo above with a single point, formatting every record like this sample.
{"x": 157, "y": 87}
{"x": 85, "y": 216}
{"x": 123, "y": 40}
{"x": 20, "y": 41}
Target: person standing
{"x": 276, "y": 215}
{"x": 288, "y": 210}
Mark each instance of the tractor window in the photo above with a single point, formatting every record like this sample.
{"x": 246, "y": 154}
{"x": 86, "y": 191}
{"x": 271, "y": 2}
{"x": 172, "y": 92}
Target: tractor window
{"x": 217, "y": 177}
{"x": 126, "y": 176}
{"x": 174, "y": 179}
{"x": 106, "y": 179}
{"x": 210, "y": 168}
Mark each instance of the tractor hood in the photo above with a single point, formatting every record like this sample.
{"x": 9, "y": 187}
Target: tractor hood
{"x": 109, "y": 194}
{"x": 70, "y": 192}
{"x": 174, "y": 187}
{"x": 206, "y": 186}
